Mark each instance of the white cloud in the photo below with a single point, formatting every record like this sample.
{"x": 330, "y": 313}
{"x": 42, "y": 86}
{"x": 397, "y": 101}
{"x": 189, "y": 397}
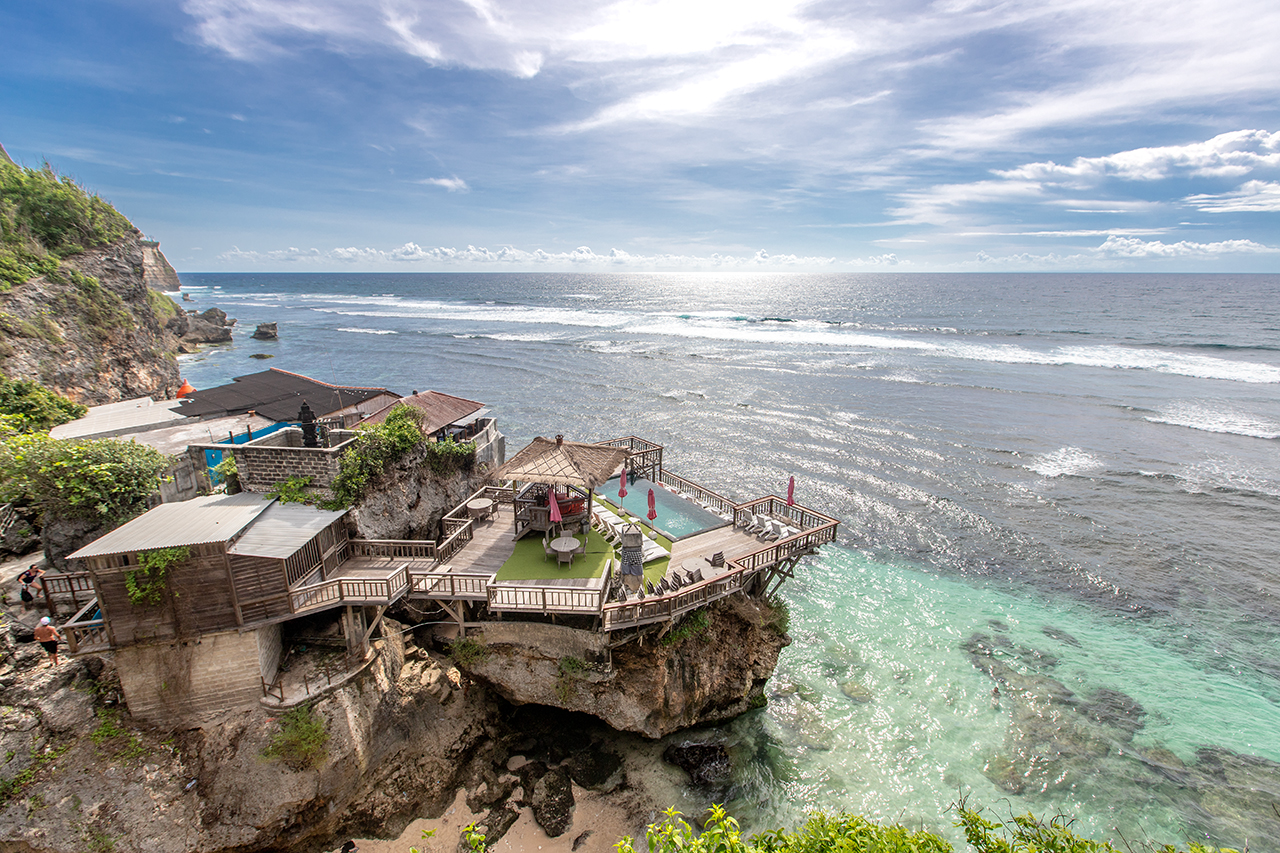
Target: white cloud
{"x": 1251, "y": 197}
{"x": 453, "y": 185}
{"x": 1227, "y": 154}
{"x": 582, "y": 256}
{"x": 1132, "y": 247}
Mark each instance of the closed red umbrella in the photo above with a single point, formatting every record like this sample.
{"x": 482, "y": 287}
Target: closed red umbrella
{"x": 791, "y": 492}
{"x": 653, "y": 510}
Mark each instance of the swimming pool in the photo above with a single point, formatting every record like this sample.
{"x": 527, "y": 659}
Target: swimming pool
{"x": 677, "y": 517}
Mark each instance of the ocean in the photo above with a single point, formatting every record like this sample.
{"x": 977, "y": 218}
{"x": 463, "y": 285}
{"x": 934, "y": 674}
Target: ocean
{"x": 1067, "y": 480}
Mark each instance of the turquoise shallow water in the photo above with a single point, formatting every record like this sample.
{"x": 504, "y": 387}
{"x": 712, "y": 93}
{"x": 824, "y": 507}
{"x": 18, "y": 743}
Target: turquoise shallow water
{"x": 1095, "y": 454}
{"x": 926, "y": 731}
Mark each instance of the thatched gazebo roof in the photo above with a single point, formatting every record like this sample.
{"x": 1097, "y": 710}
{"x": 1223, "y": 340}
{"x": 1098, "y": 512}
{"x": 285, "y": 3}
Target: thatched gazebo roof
{"x": 563, "y": 463}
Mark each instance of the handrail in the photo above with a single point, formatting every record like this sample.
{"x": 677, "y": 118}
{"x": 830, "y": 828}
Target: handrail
{"x": 83, "y": 634}
{"x": 449, "y": 584}
{"x": 544, "y": 599}
{"x": 362, "y": 590}
{"x": 401, "y": 548}
{"x": 455, "y": 541}
{"x": 699, "y": 493}
{"x": 777, "y": 508}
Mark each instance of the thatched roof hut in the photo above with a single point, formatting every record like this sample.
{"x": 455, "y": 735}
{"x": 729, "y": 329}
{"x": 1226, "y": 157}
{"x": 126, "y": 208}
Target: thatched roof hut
{"x": 563, "y": 463}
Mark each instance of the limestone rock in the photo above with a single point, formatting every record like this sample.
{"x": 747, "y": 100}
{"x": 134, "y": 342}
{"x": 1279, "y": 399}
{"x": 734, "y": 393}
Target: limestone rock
{"x": 95, "y": 343}
{"x": 266, "y": 332}
{"x": 706, "y": 762}
{"x": 552, "y": 802}
{"x": 652, "y": 690}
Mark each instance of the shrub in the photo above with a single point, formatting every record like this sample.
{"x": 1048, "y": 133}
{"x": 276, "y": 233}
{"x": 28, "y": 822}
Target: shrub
{"x": 145, "y": 585}
{"x": 292, "y": 491}
{"x": 35, "y": 407}
{"x": 694, "y": 623}
{"x": 448, "y": 456}
{"x": 299, "y": 739}
{"x": 45, "y": 217}
{"x": 780, "y": 619}
{"x": 226, "y": 472}
{"x": 466, "y": 651}
{"x": 105, "y": 479}
{"x": 375, "y": 448}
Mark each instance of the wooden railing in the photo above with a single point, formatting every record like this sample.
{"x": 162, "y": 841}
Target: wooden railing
{"x": 776, "y": 508}
{"x": 449, "y": 585}
{"x": 350, "y": 590}
{"x": 714, "y": 502}
{"x": 404, "y": 549}
{"x": 455, "y": 539}
{"x": 84, "y": 634}
{"x": 545, "y": 599}
{"x": 78, "y": 586}
{"x": 630, "y": 614}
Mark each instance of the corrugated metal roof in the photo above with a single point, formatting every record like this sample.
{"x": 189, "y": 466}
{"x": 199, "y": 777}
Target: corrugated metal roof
{"x": 282, "y": 530}
{"x": 276, "y": 394}
{"x": 216, "y": 518}
{"x": 438, "y": 409}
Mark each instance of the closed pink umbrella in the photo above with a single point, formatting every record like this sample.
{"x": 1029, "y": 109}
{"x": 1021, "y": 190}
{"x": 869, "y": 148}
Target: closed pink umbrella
{"x": 653, "y": 510}
{"x": 556, "y": 517}
{"x": 791, "y": 492}
{"x": 622, "y": 486}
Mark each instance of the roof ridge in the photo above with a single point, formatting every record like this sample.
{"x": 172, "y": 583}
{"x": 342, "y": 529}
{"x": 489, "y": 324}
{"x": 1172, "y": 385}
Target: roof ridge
{"x": 328, "y": 384}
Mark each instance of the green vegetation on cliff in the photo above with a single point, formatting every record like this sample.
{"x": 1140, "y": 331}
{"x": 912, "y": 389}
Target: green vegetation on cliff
{"x": 102, "y": 479}
{"x": 846, "y": 833}
{"x": 45, "y": 217}
{"x": 30, "y": 406}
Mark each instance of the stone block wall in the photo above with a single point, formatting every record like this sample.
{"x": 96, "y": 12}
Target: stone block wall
{"x": 184, "y": 682}
{"x": 262, "y": 463}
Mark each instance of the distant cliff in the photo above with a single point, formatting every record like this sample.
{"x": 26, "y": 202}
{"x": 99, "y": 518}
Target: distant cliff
{"x": 81, "y": 310}
{"x": 93, "y": 330}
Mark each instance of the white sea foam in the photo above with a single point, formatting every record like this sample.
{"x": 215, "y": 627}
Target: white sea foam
{"x": 1216, "y": 417}
{"x": 1065, "y": 462}
{"x": 368, "y": 331}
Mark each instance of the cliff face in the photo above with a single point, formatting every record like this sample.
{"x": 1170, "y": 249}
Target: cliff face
{"x": 93, "y": 342}
{"x": 157, "y": 270}
{"x": 401, "y": 739}
{"x": 409, "y": 500}
{"x": 654, "y": 689}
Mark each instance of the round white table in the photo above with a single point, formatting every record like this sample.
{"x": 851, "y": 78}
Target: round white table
{"x": 480, "y": 507}
{"x": 564, "y": 544}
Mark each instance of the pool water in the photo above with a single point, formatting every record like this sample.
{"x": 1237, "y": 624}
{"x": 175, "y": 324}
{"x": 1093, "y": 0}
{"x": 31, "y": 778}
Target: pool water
{"x": 677, "y": 517}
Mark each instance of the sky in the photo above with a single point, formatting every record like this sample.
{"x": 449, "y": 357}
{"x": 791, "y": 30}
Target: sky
{"x": 438, "y": 135}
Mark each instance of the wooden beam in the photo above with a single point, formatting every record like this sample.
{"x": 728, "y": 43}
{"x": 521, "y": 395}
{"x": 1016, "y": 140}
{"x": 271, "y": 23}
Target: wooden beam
{"x": 377, "y": 620}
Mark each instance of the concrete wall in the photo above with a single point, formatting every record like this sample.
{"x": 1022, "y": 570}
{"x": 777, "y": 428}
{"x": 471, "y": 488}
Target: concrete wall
{"x": 174, "y": 684}
{"x": 552, "y": 641}
{"x": 491, "y": 445}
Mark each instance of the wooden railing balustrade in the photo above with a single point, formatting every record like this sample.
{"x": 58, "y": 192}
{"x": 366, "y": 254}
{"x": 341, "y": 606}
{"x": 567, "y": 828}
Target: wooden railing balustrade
{"x": 715, "y": 502}
{"x": 455, "y": 541}
{"x": 413, "y": 549}
{"x": 84, "y": 634}
{"x": 351, "y": 591}
{"x": 545, "y": 599}
{"x": 448, "y": 585}
{"x": 76, "y": 585}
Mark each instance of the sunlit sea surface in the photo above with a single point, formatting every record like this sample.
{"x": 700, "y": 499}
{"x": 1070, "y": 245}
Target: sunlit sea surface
{"x": 1066, "y": 481}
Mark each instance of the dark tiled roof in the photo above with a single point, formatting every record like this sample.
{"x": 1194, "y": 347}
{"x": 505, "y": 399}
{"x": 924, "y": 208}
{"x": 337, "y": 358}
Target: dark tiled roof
{"x": 439, "y": 410}
{"x": 275, "y": 394}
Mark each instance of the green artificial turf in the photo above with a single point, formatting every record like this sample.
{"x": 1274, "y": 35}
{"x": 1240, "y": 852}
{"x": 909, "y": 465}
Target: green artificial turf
{"x": 528, "y": 563}
{"x": 654, "y": 571}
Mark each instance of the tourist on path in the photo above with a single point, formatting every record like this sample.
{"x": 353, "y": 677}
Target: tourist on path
{"x": 30, "y": 576}
{"x": 47, "y": 636}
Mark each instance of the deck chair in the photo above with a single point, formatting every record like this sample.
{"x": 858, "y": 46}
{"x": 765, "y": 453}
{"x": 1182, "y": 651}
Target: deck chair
{"x": 759, "y": 524}
{"x": 546, "y": 549}
{"x": 774, "y": 531}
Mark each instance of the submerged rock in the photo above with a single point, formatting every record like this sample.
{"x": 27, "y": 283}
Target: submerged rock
{"x": 857, "y": 691}
{"x": 1118, "y": 710}
{"x": 706, "y": 762}
{"x": 1059, "y": 635}
{"x": 266, "y": 332}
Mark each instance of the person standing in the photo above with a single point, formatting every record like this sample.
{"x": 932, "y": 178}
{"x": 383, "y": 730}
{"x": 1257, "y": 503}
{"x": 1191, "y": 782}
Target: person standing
{"x": 30, "y": 576}
{"x": 47, "y": 635}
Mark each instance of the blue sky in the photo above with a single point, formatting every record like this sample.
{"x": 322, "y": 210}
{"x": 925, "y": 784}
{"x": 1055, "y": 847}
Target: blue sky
{"x": 677, "y": 134}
